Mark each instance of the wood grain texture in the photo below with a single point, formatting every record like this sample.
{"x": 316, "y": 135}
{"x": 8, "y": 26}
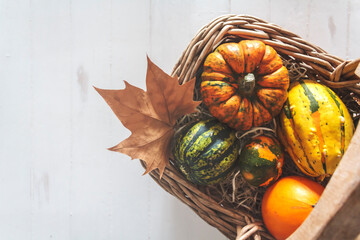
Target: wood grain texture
{"x": 57, "y": 180}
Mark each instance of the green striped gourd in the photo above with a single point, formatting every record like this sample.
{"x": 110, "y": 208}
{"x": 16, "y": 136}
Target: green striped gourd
{"x": 205, "y": 152}
{"x": 315, "y": 127}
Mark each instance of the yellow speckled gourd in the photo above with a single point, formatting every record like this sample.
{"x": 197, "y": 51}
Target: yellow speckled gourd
{"x": 315, "y": 127}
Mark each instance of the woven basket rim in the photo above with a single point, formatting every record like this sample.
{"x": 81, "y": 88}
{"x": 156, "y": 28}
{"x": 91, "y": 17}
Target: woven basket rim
{"x": 330, "y": 70}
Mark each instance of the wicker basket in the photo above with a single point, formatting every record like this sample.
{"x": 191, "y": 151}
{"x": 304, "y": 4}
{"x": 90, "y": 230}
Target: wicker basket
{"x": 331, "y": 70}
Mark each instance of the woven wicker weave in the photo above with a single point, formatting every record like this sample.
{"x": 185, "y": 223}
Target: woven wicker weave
{"x": 331, "y": 70}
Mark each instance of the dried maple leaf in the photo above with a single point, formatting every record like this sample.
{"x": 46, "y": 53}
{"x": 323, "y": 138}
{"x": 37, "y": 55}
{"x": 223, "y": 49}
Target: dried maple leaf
{"x": 151, "y": 115}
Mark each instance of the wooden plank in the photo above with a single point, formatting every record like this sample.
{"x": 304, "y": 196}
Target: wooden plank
{"x": 15, "y": 121}
{"x": 345, "y": 224}
{"x": 108, "y": 193}
{"x": 50, "y": 131}
{"x": 352, "y": 30}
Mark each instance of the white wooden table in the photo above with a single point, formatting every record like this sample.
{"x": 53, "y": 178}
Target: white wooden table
{"x": 57, "y": 180}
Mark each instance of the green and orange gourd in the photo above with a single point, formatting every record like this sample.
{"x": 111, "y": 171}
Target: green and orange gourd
{"x": 244, "y": 84}
{"x": 261, "y": 160}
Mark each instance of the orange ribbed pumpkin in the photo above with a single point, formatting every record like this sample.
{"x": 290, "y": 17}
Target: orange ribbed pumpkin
{"x": 244, "y": 84}
{"x": 287, "y": 203}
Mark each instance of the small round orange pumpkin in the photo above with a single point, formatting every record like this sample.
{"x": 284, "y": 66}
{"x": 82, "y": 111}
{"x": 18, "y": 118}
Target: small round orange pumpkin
{"x": 287, "y": 203}
{"x": 244, "y": 84}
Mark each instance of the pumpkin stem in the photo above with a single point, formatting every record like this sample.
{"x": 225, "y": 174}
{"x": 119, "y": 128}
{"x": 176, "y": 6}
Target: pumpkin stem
{"x": 247, "y": 84}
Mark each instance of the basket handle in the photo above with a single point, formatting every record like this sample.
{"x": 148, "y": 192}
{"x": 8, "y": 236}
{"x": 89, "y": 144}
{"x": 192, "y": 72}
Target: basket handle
{"x": 346, "y": 74}
{"x": 346, "y": 70}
